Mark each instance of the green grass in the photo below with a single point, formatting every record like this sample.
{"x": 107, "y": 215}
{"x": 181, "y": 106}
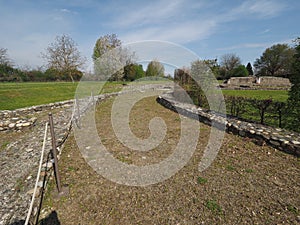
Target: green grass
{"x": 276, "y": 95}
{"x": 201, "y": 180}
{"x": 19, "y": 95}
{"x": 213, "y": 206}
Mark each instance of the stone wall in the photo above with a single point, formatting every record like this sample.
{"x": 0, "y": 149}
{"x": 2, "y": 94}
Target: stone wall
{"x": 238, "y": 81}
{"x": 252, "y": 82}
{"x": 274, "y": 81}
{"x": 278, "y": 138}
{"x": 24, "y": 117}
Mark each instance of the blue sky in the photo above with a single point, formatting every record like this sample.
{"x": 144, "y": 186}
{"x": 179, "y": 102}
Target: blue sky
{"x": 210, "y": 28}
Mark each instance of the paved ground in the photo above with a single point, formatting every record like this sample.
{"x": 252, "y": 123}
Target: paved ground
{"x": 19, "y": 159}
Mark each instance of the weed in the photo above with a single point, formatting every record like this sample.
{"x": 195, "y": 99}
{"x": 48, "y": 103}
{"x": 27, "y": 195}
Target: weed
{"x": 230, "y": 168}
{"x": 4, "y": 145}
{"x": 19, "y": 185}
{"x": 201, "y": 180}
{"x": 249, "y": 171}
{"x": 293, "y": 209}
{"x": 213, "y": 206}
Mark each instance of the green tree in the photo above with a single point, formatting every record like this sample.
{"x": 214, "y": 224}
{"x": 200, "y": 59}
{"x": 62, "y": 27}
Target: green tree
{"x": 249, "y": 69}
{"x": 294, "y": 93}
{"x": 155, "y": 68}
{"x": 133, "y": 72}
{"x": 240, "y": 71}
{"x": 275, "y": 61}
{"x": 64, "y": 56}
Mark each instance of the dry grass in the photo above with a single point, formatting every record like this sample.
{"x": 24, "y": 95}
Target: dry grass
{"x": 246, "y": 184}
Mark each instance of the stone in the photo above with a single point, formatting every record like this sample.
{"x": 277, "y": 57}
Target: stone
{"x": 48, "y": 165}
{"x": 242, "y": 133}
{"x": 11, "y": 125}
{"x": 37, "y": 193}
{"x": 276, "y": 143}
{"x": 296, "y": 142}
{"x": 252, "y": 131}
{"x": 33, "y": 119}
{"x": 19, "y": 125}
{"x": 27, "y": 124}
{"x": 29, "y": 150}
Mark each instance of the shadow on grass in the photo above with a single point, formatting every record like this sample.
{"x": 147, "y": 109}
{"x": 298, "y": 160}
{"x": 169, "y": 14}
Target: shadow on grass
{"x": 52, "y": 219}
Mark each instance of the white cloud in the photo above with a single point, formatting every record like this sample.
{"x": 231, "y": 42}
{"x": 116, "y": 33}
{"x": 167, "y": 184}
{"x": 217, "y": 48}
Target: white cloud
{"x": 256, "y": 9}
{"x": 263, "y": 45}
{"x": 183, "y": 32}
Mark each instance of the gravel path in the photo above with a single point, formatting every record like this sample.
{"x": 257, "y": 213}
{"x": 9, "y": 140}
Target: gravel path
{"x": 19, "y": 159}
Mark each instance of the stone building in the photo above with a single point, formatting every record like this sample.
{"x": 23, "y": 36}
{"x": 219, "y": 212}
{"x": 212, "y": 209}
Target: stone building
{"x": 258, "y": 82}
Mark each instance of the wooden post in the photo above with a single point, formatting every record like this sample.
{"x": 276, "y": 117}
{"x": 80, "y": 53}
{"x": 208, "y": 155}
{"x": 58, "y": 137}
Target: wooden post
{"x": 54, "y": 153}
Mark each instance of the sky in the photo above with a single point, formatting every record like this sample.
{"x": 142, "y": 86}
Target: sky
{"x": 209, "y": 28}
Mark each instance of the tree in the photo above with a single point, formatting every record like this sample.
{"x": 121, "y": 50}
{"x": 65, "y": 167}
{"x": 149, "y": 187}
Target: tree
{"x": 133, "y": 72}
{"x": 228, "y": 63}
{"x": 4, "y": 59}
{"x": 214, "y": 66}
{"x": 64, "y": 56}
{"x": 249, "y": 69}
{"x": 294, "y": 93}
{"x": 239, "y": 71}
{"x": 104, "y": 44}
{"x": 155, "y": 68}
{"x": 275, "y": 61}
{"x": 110, "y": 58}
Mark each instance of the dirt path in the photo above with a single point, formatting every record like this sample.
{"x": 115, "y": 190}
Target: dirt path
{"x": 246, "y": 184}
{"x": 19, "y": 158}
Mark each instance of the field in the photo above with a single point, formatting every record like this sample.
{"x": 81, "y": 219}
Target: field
{"x": 276, "y": 95}
{"x": 246, "y": 183}
{"x": 19, "y": 95}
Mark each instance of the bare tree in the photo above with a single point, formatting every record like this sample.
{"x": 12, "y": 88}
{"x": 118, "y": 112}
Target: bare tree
{"x": 64, "y": 56}
{"x": 4, "y": 59}
{"x": 230, "y": 61}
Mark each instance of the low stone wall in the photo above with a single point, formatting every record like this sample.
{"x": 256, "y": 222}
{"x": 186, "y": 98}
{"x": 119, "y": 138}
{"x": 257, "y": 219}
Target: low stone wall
{"x": 24, "y": 117}
{"x": 252, "y": 82}
{"x": 278, "y": 138}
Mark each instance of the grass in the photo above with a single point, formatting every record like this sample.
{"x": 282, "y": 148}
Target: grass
{"x": 276, "y": 95}
{"x": 19, "y": 95}
{"x": 213, "y": 206}
{"x": 201, "y": 180}
{"x": 227, "y": 197}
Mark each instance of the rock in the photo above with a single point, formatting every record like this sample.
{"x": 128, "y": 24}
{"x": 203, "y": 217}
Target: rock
{"x": 11, "y": 125}
{"x": 276, "y": 143}
{"x": 33, "y": 119}
{"x": 296, "y": 142}
{"x": 19, "y": 125}
{"x": 48, "y": 165}
{"x": 37, "y": 193}
{"x": 252, "y": 131}
{"x": 29, "y": 150}
{"x": 27, "y": 124}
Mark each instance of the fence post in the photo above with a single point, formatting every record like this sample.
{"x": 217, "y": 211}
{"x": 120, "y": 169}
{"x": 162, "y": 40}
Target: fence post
{"x": 56, "y": 172}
